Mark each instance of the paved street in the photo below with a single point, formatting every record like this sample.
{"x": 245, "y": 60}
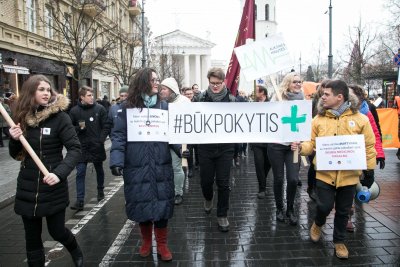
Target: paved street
{"x": 107, "y": 238}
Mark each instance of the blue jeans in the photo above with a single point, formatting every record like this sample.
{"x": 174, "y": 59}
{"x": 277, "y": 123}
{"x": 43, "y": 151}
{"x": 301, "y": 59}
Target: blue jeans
{"x": 80, "y": 178}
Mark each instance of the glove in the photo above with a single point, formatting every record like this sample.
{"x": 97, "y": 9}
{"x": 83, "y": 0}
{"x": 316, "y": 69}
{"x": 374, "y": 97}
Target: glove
{"x": 369, "y": 178}
{"x": 116, "y": 171}
{"x": 186, "y": 154}
{"x": 381, "y": 162}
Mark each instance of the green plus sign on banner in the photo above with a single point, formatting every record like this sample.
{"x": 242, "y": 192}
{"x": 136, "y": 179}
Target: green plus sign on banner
{"x": 293, "y": 120}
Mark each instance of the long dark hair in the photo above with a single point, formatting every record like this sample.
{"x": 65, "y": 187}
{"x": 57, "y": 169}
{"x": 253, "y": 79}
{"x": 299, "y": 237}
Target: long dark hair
{"x": 138, "y": 85}
{"x": 26, "y": 103}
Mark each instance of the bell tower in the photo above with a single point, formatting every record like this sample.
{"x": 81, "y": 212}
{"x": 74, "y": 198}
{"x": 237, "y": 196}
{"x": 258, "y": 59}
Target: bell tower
{"x": 265, "y": 18}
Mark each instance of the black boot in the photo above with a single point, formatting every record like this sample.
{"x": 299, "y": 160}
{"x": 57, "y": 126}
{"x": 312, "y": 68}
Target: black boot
{"x": 77, "y": 256}
{"x": 35, "y": 258}
{"x": 100, "y": 194}
{"x": 78, "y": 205}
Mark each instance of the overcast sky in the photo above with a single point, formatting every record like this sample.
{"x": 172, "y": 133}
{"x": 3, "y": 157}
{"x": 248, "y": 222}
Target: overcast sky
{"x": 302, "y": 22}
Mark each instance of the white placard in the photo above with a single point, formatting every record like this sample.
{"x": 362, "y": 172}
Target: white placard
{"x": 148, "y": 125}
{"x": 239, "y": 122}
{"x": 343, "y": 152}
{"x": 263, "y": 57}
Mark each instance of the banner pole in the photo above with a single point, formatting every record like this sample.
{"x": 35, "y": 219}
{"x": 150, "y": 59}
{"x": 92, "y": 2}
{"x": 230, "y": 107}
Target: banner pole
{"x": 25, "y": 143}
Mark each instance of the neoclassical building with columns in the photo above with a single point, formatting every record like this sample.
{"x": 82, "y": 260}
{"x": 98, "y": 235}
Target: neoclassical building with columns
{"x": 191, "y": 53}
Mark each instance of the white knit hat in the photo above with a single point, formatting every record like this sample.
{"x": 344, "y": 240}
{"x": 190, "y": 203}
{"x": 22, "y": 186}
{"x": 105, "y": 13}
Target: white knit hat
{"x": 171, "y": 84}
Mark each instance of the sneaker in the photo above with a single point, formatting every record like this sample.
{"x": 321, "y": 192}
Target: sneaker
{"x": 223, "y": 224}
{"x": 292, "y": 217}
{"x": 100, "y": 195}
{"x": 208, "y": 205}
{"x": 261, "y": 195}
{"x": 78, "y": 205}
{"x": 279, "y": 216}
{"x": 178, "y": 199}
{"x": 341, "y": 251}
{"x": 315, "y": 232}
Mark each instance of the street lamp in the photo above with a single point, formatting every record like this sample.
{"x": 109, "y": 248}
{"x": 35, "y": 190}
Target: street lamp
{"x": 143, "y": 38}
{"x": 330, "y": 67}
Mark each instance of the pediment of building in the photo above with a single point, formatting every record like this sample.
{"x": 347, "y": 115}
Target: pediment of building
{"x": 179, "y": 38}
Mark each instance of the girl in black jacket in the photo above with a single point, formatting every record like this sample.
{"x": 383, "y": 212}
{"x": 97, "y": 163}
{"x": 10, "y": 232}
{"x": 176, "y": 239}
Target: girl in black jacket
{"x": 40, "y": 118}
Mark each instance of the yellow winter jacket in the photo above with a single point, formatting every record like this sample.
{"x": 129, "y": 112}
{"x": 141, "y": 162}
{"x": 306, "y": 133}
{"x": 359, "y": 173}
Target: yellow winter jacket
{"x": 351, "y": 122}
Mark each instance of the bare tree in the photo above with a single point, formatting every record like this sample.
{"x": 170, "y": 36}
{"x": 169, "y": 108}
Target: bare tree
{"x": 360, "y": 52}
{"x": 82, "y": 35}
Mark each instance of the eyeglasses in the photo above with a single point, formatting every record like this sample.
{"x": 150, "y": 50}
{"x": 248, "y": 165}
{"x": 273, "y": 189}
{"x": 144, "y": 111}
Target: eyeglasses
{"x": 154, "y": 80}
{"x": 215, "y": 84}
{"x": 299, "y": 82}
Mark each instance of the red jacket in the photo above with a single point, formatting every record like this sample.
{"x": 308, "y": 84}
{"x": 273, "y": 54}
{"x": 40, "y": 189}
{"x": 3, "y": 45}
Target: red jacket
{"x": 378, "y": 142}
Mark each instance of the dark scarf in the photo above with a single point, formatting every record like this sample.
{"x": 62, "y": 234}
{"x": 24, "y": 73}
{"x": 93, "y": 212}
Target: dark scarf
{"x": 219, "y": 96}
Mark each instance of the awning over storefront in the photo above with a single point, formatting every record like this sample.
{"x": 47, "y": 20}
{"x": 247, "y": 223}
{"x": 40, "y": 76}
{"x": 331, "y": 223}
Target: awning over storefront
{"x": 14, "y": 69}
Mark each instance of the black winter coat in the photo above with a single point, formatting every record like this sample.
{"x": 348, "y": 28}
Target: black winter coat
{"x": 92, "y": 138}
{"x": 49, "y": 129}
{"x": 148, "y": 174}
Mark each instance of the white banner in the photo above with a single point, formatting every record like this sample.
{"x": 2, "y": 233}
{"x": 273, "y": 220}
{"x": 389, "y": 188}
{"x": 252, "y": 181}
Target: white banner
{"x": 263, "y": 57}
{"x": 343, "y": 152}
{"x": 147, "y": 125}
{"x": 240, "y": 122}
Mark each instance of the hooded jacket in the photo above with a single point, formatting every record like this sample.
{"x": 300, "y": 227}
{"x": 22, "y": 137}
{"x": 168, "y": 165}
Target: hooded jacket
{"x": 351, "y": 122}
{"x": 48, "y": 130}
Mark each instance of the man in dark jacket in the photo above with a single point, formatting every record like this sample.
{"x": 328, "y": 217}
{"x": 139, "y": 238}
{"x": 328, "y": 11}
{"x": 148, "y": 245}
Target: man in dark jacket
{"x": 92, "y": 126}
{"x": 216, "y": 159}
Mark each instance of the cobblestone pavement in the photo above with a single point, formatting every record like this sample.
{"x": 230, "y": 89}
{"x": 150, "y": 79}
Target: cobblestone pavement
{"x": 107, "y": 238}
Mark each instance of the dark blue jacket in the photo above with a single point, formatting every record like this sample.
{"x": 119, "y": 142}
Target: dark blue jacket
{"x": 148, "y": 174}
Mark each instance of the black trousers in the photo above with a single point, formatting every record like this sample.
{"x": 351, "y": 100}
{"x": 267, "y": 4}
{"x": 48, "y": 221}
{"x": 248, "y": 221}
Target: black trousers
{"x": 215, "y": 163}
{"x": 262, "y": 164}
{"x": 341, "y": 198}
{"x": 311, "y": 172}
{"x": 281, "y": 157}
{"x": 56, "y": 227}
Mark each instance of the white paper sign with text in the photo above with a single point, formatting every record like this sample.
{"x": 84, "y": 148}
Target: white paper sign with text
{"x": 239, "y": 122}
{"x": 263, "y": 57}
{"x": 343, "y": 152}
{"x": 148, "y": 125}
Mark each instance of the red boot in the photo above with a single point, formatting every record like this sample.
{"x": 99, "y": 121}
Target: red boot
{"x": 162, "y": 248}
{"x": 147, "y": 233}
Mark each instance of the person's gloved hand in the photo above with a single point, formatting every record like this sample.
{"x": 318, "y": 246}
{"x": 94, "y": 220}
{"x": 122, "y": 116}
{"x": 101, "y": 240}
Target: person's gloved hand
{"x": 186, "y": 154}
{"x": 381, "y": 162}
{"x": 116, "y": 171}
{"x": 369, "y": 178}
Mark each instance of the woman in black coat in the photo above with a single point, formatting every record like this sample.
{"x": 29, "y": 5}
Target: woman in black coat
{"x": 40, "y": 117}
{"x": 147, "y": 167}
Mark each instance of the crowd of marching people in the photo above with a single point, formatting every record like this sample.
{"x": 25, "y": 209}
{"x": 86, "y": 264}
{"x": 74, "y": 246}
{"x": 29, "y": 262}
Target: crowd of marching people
{"x": 154, "y": 172}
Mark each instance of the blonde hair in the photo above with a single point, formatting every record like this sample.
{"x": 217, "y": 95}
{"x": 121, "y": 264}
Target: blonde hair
{"x": 284, "y": 86}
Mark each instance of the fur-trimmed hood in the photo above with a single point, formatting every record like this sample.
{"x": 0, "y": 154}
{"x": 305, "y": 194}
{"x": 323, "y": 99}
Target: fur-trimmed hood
{"x": 354, "y": 104}
{"x": 57, "y": 103}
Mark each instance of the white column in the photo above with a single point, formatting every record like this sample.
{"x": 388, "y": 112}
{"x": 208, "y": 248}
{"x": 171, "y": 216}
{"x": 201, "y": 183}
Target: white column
{"x": 198, "y": 71}
{"x": 186, "y": 71}
{"x": 205, "y": 66}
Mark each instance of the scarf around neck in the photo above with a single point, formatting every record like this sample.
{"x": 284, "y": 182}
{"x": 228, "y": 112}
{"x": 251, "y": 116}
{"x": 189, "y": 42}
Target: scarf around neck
{"x": 295, "y": 96}
{"x": 149, "y": 101}
{"x": 343, "y": 107}
{"x": 216, "y": 97}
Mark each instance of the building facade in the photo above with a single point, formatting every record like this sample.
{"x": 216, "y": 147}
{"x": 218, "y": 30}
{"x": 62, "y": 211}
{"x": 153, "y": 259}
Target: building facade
{"x": 183, "y": 56}
{"x": 55, "y": 38}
